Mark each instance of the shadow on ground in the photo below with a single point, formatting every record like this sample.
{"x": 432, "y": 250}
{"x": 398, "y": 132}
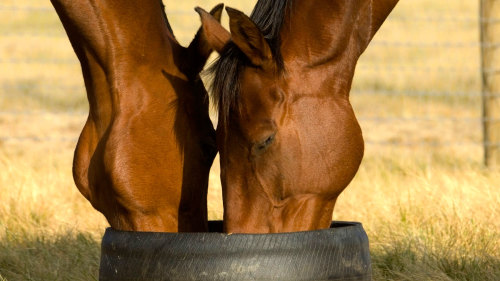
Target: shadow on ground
{"x": 413, "y": 260}
{"x": 68, "y": 256}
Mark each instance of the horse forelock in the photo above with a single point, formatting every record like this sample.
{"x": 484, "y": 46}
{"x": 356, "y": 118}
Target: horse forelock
{"x": 269, "y": 16}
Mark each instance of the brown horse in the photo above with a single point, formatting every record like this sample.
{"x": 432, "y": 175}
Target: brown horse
{"x": 288, "y": 139}
{"x": 145, "y": 152}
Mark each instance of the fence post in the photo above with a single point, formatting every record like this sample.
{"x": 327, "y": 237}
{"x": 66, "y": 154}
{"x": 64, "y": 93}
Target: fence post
{"x": 489, "y": 19}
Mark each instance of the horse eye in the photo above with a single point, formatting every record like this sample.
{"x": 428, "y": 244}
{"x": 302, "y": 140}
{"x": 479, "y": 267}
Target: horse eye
{"x": 269, "y": 140}
{"x": 263, "y": 145}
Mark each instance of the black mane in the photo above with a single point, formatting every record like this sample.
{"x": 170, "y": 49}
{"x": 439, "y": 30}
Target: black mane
{"x": 269, "y": 16}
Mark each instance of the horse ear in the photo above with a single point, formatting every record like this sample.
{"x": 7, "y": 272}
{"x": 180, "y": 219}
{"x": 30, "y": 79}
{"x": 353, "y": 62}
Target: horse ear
{"x": 214, "y": 35}
{"x": 248, "y": 37}
{"x": 201, "y": 47}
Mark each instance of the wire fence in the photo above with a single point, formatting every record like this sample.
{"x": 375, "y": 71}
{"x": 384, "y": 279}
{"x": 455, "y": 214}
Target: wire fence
{"x": 420, "y": 73}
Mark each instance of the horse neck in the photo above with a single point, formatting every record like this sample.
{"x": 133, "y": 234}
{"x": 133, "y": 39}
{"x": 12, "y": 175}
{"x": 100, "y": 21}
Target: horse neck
{"x": 117, "y": 42}
{"x": 325, "y": 35}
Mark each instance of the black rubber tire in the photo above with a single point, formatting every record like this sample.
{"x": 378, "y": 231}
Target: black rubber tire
{"x": 338, "y": 253}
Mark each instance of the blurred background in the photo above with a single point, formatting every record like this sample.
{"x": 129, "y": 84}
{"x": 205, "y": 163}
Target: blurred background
{"x": 427, "y": 201}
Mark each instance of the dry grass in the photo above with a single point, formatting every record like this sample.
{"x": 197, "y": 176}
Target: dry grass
{"x": 429, "y": 215}
{"x": 431, "y": 210}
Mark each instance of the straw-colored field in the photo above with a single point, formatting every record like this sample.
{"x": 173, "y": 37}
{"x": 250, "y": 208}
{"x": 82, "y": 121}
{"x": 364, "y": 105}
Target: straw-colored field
{"x": 430, "y": 209}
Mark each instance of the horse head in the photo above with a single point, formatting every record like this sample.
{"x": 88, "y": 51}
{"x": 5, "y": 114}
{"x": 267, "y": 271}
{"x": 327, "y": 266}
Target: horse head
{"x": 288, "y": 138}
{"x": 145, "y": 152}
